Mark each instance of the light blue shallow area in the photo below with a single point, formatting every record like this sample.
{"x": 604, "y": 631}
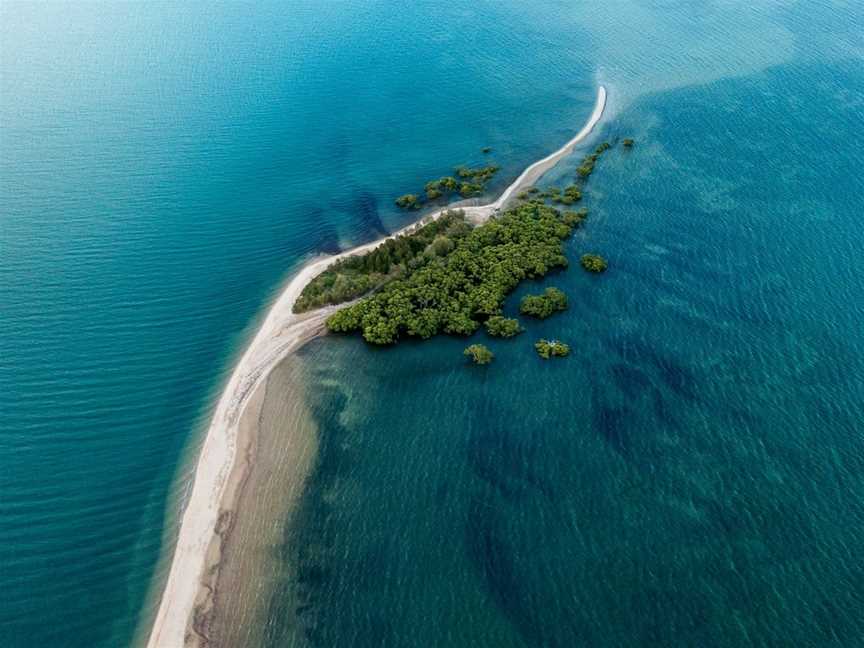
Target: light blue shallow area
{"x": 691, "y": 475}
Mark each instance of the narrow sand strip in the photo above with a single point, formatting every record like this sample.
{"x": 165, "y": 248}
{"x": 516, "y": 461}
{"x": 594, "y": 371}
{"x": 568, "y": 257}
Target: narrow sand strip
{"x": 281, "y": 333}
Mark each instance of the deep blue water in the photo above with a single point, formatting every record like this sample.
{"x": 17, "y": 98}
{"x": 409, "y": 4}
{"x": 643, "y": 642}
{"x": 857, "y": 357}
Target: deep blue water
{"x": 691, "y": 475}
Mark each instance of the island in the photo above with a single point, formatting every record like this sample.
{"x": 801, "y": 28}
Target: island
{"x": 551, "y": 349}
{"x": 192, "y": 582}
{"x": 479, "y": 354}
{"x": 594, "y": 263}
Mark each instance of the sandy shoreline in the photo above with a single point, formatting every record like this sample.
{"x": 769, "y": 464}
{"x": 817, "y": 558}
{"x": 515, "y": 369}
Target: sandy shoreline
{"x": 219, "y": 474}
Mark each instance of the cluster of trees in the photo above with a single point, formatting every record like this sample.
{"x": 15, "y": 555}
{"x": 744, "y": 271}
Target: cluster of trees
{"x": 356, "y": 275}
{"x": 479, "y": 354}
{"x": 469, "y": 189}
{"x": 551, "y": 348}
{"x": 441, "y": 186}
{"x": 542, "y": 306}
{"x": 588, "y": 162}
{"x": 575, "y": 218}
{"x": 409, "y": 201}
{"x": 571, "y": 194}
{"x": 504, "y": 327}
{"x": 470, "y": 182}
{"x": 480, "y": 174}
{"x": 455, "y": 293}
{"x": 593, "y": 263}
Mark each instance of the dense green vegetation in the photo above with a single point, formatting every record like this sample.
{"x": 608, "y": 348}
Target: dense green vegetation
{"x": 356, "y": 275}
{"x": 470, "y": 182}
{"x": 542, "y": 306}
{"x": 469, "y": 189}
{"x": 505, "y": 327}
{"x": 551, "y": 348}
{"x": 450, "y": 278}
{"x": 593, "y": 263}
{"x": 587, "y": 167}
{"x": 479, "y": 353}
{"x": 408, "y": 201}
{"x": 441, "y": 186}
{"x": 481, "y": 174}
{"x": 574, "y": 218}
{"x": 628, "y": 143}
{"x": 571, "y": 194}
{"x": 455, "y": 293}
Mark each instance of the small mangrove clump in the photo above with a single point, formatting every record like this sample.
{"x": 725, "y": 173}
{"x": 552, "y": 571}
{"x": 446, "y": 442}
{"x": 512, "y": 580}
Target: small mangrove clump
{"x": 542, "y": 306}
{"x": 437, "y": 188}
{"x": 479, "y": 354}
{"x": 628, "y": 143}
{"x": 468, "y": 189}
{"x": 551, "y": 349}
{"x": 571, "y": 194}
{"x": 504, "y": 327}
{"x": 575, "y": 218}
{"x": 587, "y": 166}
{"x": 588, "y": 162}
{"x": 480, "y": 175}
{"x": 593, "y": 263}
{"x": 408, "y": 201}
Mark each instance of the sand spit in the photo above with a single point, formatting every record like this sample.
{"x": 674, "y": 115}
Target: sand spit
{"x": 219, "y": 476}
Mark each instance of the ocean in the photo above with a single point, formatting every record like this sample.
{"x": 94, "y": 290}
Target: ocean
{"x": 691, "y": 475}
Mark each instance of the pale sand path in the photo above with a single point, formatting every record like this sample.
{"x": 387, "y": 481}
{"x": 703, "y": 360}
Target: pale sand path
{"x": 281, "y": 333}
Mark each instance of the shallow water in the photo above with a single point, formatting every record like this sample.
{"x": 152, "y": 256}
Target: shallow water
{"x": 690, "y": 475}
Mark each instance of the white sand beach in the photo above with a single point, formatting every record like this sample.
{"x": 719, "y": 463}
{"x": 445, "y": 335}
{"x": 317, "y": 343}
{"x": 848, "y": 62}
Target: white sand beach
{"x": 219, "y": 472}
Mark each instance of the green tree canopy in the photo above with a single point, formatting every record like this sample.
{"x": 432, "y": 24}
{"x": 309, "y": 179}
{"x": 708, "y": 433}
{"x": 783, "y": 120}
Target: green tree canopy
{"x": 479, "y": 354}
{"x": 551, "y": 348}
{"x": 505, "y": 327}
{"x": 593, "y": 263}
{"x": 542, "y": 306}
{"x": 455, "y": 293}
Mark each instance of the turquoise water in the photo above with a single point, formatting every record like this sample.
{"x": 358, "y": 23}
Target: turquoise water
{"x": 691, "y": 475}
